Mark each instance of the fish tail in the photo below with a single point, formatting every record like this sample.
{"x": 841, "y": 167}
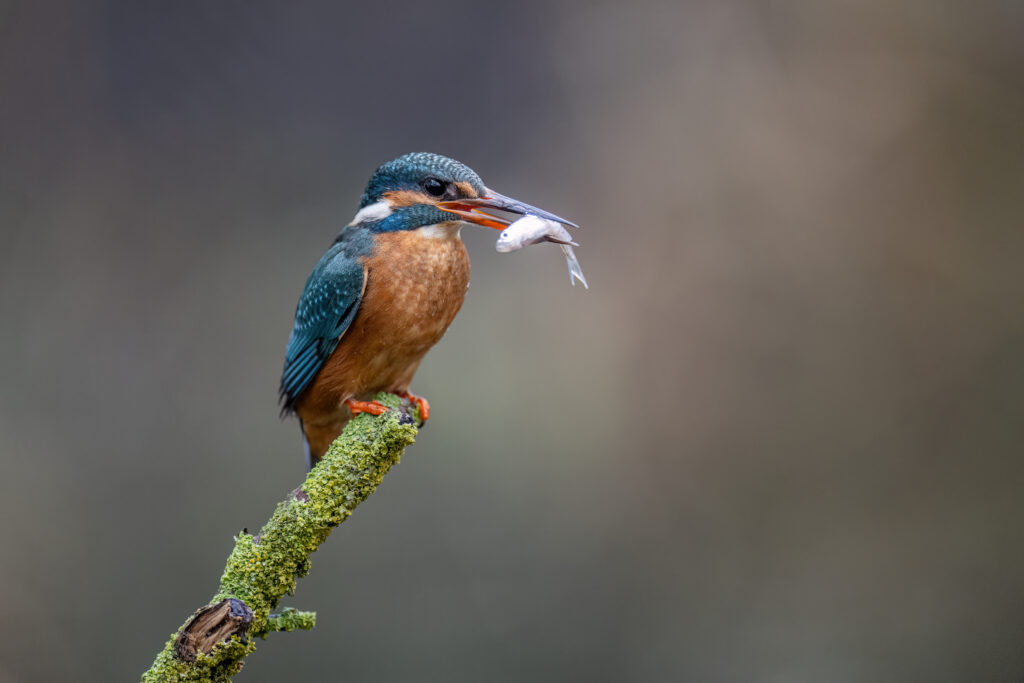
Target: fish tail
{"x": 574, "y": 267}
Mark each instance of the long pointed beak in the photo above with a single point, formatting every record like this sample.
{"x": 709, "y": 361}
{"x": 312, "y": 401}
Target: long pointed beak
{"x": 471, "y": 210}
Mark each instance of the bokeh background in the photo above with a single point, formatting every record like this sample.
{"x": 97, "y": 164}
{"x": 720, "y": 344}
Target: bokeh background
{"x": 779, "y": 439}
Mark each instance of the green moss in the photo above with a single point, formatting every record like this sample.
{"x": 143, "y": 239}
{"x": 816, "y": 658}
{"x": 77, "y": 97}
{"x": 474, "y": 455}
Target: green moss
{"x": 223, "y": 662}
{"x": 291, "y": 619}
{"x": 264, "y": 568}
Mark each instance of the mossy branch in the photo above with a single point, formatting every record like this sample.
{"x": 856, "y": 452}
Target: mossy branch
{"x": 262, "y": 569}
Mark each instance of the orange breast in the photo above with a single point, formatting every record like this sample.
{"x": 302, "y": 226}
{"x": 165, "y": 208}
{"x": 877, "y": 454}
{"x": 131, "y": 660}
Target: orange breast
{"x": 415, "y": 285}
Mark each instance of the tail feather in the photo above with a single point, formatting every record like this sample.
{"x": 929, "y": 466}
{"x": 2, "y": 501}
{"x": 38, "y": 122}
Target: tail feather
{"x": 307, "y": 454}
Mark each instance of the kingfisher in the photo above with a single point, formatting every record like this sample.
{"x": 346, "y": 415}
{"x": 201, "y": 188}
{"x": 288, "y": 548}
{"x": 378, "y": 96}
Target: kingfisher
{"x": 385, "y": 292}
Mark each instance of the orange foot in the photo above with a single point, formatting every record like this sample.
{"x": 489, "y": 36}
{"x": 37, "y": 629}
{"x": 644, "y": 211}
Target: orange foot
{"x": 371, "y": 407}
{"x": 420, "y": 402}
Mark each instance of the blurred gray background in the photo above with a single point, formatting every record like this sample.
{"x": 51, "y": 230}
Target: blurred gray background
{"x": 779, "y": 439}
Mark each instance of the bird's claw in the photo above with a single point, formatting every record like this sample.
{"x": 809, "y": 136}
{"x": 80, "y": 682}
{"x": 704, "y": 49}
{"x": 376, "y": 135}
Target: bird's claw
{"x": 421, "y": 403}
{"x": 371, "y": 407}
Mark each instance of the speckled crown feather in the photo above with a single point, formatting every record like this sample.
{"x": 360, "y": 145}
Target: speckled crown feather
{"x": 408, "y": 171}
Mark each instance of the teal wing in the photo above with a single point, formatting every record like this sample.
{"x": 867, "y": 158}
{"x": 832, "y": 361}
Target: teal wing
{"x": 325, "y": 310}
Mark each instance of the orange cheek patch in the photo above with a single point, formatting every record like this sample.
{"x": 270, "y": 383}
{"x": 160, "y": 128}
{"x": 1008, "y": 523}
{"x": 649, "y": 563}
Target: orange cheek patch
{"x": 408, "y": 198}
{"x": 465, "y": 189}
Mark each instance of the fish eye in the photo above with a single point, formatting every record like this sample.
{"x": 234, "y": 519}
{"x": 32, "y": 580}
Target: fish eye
{"x": 434, "y": 187}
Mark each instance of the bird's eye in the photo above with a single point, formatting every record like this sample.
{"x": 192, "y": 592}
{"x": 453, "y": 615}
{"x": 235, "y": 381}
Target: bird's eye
{"x": 434, "y": 187}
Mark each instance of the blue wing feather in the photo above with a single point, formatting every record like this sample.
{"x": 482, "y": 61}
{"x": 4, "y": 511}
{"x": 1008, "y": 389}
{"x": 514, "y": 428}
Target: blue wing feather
{"x": 325, "y": 310}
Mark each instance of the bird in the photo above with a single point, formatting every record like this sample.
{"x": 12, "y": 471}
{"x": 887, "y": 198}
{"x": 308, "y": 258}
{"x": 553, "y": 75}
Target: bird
{"x": 385, "y": 292}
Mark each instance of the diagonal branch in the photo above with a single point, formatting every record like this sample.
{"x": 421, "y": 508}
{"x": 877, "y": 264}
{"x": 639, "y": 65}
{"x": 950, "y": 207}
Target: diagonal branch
{"x": 262, "y": 569}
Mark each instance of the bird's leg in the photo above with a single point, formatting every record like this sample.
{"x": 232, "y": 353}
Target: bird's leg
{"x": 420, "y": 402}
{"x": 371, "y": 407}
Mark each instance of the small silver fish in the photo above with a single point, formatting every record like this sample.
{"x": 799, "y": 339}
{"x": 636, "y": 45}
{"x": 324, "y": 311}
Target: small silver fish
{"x": 533, "y": 230}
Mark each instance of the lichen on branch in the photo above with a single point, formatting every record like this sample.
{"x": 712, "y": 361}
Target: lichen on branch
{"x": 264, "y": 567}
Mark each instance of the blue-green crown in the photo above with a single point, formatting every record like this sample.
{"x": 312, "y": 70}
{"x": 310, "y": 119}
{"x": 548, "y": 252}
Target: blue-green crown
{"x": 408, "y": 172}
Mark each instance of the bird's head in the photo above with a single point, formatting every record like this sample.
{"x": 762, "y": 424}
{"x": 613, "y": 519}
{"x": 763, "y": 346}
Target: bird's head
{"x": 423, "y": 189}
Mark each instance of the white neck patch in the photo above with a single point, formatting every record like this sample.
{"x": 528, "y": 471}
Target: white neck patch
{"x": 373, "y": 212}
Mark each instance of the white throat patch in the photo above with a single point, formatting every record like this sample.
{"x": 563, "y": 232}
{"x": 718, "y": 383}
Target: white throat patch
{"x": 441, "y": 230}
